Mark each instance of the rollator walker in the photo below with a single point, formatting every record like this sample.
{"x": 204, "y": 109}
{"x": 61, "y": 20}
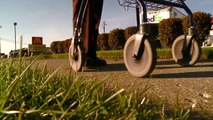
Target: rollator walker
{"x": 139, "y": 51}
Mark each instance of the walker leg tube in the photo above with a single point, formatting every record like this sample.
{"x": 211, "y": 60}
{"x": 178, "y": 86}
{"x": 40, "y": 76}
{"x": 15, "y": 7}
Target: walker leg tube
{"x": 186, "y": 8}
{"x": 143, "y": 6}
{"x": 138, "y": 17}
{"x": 138, "y": 44}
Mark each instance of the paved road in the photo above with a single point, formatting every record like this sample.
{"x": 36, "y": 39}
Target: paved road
{"x": 192, "y": 85}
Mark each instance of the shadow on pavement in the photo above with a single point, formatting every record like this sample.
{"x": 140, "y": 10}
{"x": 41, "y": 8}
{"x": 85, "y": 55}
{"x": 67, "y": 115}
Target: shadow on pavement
{"x": 109, "y": 68}
{"x": 204, "y": 65}
{"x": 167, "y": 64}
{"x": 199, "y": 74}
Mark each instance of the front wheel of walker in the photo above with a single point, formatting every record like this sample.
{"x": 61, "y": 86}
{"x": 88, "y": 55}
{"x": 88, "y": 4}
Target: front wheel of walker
{"x": 190, "y": 58}
{"x": 76, "y": 58}
{"x": 145, "y": 65}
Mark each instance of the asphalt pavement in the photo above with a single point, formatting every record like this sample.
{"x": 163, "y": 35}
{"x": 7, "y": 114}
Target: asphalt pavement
{"x": 192, "y": 85}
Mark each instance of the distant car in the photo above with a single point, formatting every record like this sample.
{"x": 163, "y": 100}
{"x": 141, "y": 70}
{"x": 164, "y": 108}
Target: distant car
{"x": 15, "y": 53}
{"x": 48, "y": 51}
{"x": 2, "y": 55}
{"x": 208, "y": 41}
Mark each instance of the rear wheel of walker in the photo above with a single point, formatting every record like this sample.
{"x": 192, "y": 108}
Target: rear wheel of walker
{"x": 145, "y": 65}
{"x": 185, "y": 60}
{"x": 76, "y": 57}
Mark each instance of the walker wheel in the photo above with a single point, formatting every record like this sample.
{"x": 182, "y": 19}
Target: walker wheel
{"x": 145, "y": 65}
{"x": 76, "y": 57}
{"x": 189, "y": 60}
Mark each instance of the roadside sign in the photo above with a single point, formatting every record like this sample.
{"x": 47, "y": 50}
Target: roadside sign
{"x": 36, "y": 48}
{"x": 37, "y": 40}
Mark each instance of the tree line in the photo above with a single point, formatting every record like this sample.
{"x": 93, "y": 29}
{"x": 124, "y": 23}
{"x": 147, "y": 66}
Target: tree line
{"x": 165, "y": 32}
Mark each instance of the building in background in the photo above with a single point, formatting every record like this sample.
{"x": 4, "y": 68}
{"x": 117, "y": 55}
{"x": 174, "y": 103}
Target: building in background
{"x": 209, "y": 41}
{"x": 155, "y": 16}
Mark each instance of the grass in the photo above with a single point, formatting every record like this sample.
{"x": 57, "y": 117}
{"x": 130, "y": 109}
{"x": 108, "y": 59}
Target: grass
{"x": 207, "y": 53}
{"x": 29, "y": 91}
{"x": 109, "y": 54}
{"x": 165, "y": 53}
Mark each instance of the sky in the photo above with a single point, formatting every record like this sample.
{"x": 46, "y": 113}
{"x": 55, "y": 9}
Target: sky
{"x": 52, "y": 19}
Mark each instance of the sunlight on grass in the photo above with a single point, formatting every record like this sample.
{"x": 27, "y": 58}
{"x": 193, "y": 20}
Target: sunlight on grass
{"x": 29, "y": 92}
{"x": 163, "y": 53}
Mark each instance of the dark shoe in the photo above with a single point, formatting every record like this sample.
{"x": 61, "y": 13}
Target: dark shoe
{"x": 95, "y": 62}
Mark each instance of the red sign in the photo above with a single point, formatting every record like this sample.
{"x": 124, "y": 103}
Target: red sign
{"x": 37, "y": 40}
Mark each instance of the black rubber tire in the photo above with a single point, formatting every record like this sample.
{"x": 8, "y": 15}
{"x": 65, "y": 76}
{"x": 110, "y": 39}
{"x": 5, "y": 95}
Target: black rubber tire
{"x": 77, "y": 62}
{"x": 195, "y": 52}
{"x": 145, "y": 65}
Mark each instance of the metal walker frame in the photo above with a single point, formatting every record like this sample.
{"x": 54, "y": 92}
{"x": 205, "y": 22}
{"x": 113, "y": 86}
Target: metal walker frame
{"x": 76, "y": 51}
{"x": 141, "y": 40}
{"x": 143, "y": 6}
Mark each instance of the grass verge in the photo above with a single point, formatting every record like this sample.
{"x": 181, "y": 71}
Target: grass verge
{"x": 33, "y": 92}
{"x": 207, "y": 53}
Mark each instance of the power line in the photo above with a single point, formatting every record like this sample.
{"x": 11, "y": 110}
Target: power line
{"x": 6, "y": 39}
{"x": 11, "y": 41}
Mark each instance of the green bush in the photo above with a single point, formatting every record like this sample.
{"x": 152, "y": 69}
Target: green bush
{"x": 58, "y": 47}
{"x": 129, "y": 31}
{"x": 66, "y": 45}
{"x": 53, "y": 46}
{"x": 202, "y": 24}
{"x": 169, "y": 30}
{"x": 153, "y": 30}
{"x": 102, "y": 41}
{"x": 116, "y": 39}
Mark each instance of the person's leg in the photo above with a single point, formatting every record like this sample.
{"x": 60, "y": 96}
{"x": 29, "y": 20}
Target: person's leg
{"x": 95, "y": 18}
{"x": 85, "y": 26}
{"x": 90, "y": 29}
{"x": 76, "y": 7}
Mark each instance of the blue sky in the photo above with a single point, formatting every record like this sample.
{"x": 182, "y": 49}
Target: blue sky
{"x": 52, "y": 19}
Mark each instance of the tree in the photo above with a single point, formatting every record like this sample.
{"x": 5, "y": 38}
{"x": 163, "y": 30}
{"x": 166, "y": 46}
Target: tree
{"x": 102, "y": 41}
{"x": 116, "y": 39}
{"x": 53, "y": 46}
{"x": 169, "y": 30}
{"x": 202, "y": 24}
{"x": 129, "y": 31}
{"x": 66, "y": 45}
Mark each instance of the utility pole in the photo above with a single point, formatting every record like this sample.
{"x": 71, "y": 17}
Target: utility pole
{"x": 104, "y": 26}
{"x": 0, "y": 40}
{"x": 15, "y": 24}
